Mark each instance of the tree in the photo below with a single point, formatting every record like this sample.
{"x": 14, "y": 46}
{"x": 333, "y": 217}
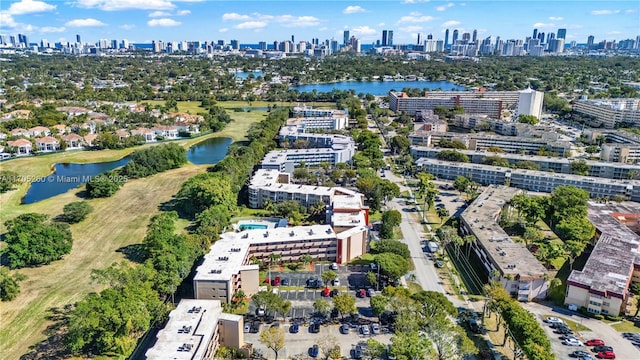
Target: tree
{"x": 33, "y": 240}
{"x": 577, "y": 229}
{"x": 461, "y": 183}
{"x": 411, "y": 346}
{"x": 345, "y": 304}
{"x": 9, "y": 287}
{"x": 76, "y": 211}
{"x": 400, "y": 144}
{"x": 392, "y": 246}
{"x": 452, "y": 155}
{"x": 378, "y": 304}
{"x": 322, "y": 306}
{"x": 580, "y": 167}
{"x": 568, "y": 202}
{"x": 592, "y": 149}
{"x": 376, "y": 348}
{"x": 273, "y": 338}
{"x": 390, "y": 219}
{"x": 495, "y": 149}
{"x": 7, "y": 180}
{"x": 104, "y": 185}
{"x": 532, "y": 235}
{"x": 393, "y": 266}
{"x": 442, "y": 213}
{"x": 449, "y": 340}
{"x": 528, "y": 119}
{"x": 434, "y": 304}
{"x": 329, "y": 276}
{"x": 306, "y": 259}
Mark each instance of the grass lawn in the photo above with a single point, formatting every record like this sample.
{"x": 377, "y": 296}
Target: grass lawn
{"x": 626, "y": 326}
{"x": 116, "y": 222}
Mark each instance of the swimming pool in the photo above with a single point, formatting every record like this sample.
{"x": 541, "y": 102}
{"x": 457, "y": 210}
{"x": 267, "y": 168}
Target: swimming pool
{"x": 243, "y": 227}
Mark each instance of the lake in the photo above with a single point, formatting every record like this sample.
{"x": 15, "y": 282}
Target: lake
{"x": 68, "y": 176}
{"x": 244, "y": 75}
{"x": 378, "y": 88}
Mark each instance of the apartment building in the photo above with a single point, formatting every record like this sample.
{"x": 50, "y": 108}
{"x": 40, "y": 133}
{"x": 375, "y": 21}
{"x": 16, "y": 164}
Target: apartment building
{"x": 229, "y": 266}
{"x": 398, "y": 100}
{"x": 270, "y": 185}
{"x": 608, "y": 112}
{"x": 309, "y": 112}
{"x": 520, "y": 273}
{"x": 195, "y": 330}
{"x": 506, "y": 128}
{"x": 599, "y": 169}
{"x": 602, "y": 286}
{"x": 482, "y": 141}
{"x": 531, "y": 180}
{"x": 287, "y": 160}
{"x": 401, "y": 102}
{"x": 289, "y": 134}
{"x": 621, "y": 153}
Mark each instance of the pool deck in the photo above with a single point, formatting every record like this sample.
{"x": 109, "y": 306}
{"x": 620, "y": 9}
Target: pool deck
{"x": 266, "y": 223}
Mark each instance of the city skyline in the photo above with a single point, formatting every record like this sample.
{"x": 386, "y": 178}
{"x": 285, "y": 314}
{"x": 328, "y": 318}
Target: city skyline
{"x": 252, "y": 22}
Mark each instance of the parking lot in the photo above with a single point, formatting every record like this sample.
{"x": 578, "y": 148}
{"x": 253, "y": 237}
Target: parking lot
{"x": 352, "y": 279}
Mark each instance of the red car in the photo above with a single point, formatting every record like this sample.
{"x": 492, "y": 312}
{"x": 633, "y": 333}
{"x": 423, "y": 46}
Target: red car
{"x": 595, "y": 342}
{"x": 607, "y": 355}
{"x": 326, "y": 292}
{"x": 362, "y": 293}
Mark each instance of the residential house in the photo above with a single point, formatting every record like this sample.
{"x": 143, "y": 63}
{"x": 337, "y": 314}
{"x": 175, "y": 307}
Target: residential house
{"x": 147, "y": 134}
{"x": 20, "y": 132}
{"x": 47, "y": 144}
{"x": 89, "y": 139}
{"x": 73, "y": 111}
{"x": 74, "y": 141}
{"x": 3, "y": 136}
{"x": 38, "y": 131}
{"x": 62, "y": 129}
{"x": 189, "y": 128}
{"x": 122, "y": 133}
{"x": 167, "y": 132}
{"x": 23, "y": 146}
{"x": 17, "y": 114}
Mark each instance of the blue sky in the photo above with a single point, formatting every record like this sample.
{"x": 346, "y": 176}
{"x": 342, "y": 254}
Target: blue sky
{"x": 253, "y": 21}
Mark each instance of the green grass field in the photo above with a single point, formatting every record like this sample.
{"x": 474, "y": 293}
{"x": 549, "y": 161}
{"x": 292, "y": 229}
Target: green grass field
{"x": 116, "y": 222}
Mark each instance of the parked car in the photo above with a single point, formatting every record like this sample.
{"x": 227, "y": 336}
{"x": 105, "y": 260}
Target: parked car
{"x": 580, "y": 353}
{"x": 569, "y": 337}
{"x": 357, "y": 352}
{"x": 314, "y": 328}
{"x": 362, "y": 293}
{"x": 563, "y": 331}
{"x": 572, "y": 342}
{"x": 326, "y": 292}
{"x": 336, "y": 282}
{"x": 344, "y": 329}
{"x": 334, "y": 266}
{"x": 285, "y": 282}
{"x": 311, "y": 283}
{"x": 390, "y": 354}
{"x": 334, "y": 292}
{"x": 603, "y": 348}
{"x": 255, "y": 327}
{"x": 314, "y": 351}
{"x": 606, "y": 355}
{"x": 375, "y": 328}
{"x": 370, "y": 292}
{"x": 553, "y": 320}
{"x": 364, "y": 330}
{"x": 439, "y": 264}
{"x": 294, "y": 329}
{"x": 595, "y": 342}
{"x": 373, "y": 266}
{"x": 247, "y": 328}
{"x": 260, "y": 311}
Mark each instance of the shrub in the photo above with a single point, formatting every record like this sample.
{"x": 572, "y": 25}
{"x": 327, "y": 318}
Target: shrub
{"x": 76, "y": 211}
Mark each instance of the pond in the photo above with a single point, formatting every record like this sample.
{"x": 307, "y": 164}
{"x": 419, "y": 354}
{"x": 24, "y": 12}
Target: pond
{"x": 378, "y": 88}
{"x": 69, "y": 176}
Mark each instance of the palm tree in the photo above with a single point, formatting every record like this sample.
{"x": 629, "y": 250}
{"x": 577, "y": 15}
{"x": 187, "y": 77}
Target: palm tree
{"x": 468, "y": 241}
{"x": 306, "y": 259}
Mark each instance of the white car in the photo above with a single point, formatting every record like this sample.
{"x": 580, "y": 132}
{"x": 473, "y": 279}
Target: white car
{"x": 336, "y": 282}
{"x": 247, "y": 328}
{"x": 334, "y": 266}
{"x": 572, "y": 342}
{"x": 364, "y": 329}
{"x": 553, "y": 320}
{"x": 375, "y": 328}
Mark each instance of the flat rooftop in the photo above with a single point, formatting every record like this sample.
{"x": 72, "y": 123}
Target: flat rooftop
{"x": 348, "y": 219}
{"x": 611, "y": 262}
{"x": 225, "y": 259}
{"x": 349, "y": 202}
{"x": 509, "y": 257}
{"x": 192, "y": 324}
{"x": 267, "y": 179}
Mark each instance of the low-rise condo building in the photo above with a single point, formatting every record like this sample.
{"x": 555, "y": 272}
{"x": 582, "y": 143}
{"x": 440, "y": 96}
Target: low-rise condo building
{"x": 287, "y": 160}
{"x": 602, "y": 286}
{"x": 608, "y": 112}
{"x": 511, "y": 263}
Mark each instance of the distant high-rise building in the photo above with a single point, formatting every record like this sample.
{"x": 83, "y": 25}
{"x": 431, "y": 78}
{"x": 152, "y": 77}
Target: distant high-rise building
{"x": 78, "y": 38}
{"x": 466, "y": 37}
{"x": 387, "y": 37}
{"x": 556, "y": 45}
{"x": 114, "y": 44}
{"x": 418, "y": 42}
{"x": 562, "y": 34}
{"x": 262, "y": 45}
{"x": 276, "y": 45}
{"x": 446, "y": 38}
{"x": 535, "y": 33}
{"x": 474, "y": 38}
{"x": 235, "y": 45}
{"x": 3, "y": 39}
{"x": 541, "y": 37}
{"x": 293, "y": 39}
{"x": 346, "y": 38}
{"x": 455, "y": 37}
{"x": 530, "y": 103}
{"x": 590, "y": 40}
{"x": 550, "y": 37}
{"x": 430, "y": 37}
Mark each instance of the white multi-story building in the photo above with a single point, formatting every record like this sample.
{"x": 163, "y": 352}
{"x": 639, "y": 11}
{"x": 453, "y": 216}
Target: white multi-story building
{"x": 530, "y": 103}
{"x": 286, "y": 160}
{"x": 531, "y": 180}
{"x": 621, "y": 153}
{"x": 309, "y": 112}
{"x": 602, "y": 286}
{"x": 609, "y": 112}
{"x": 600, "y": 169}
{"x": 399, "y": 101}
{"x": 506, "y": 261}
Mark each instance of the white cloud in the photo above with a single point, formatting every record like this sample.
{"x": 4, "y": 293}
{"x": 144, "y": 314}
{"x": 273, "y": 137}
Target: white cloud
{"x": 445, "y": 7}
{"x": 614, "y": 32}
{"x": 183, "y": 12}
{"x": 52, "y": 29}
{"x": 297, "y": 21}
{"x": 251, "y": 25}
{"x": 414, "y": 1}
{"x": 416, "y": 17}
{"x": 159, "y": 14}
{"x": 29, "y": 7}
{"x": 544, "y": 25}
{"x": 556, "y": 18}
{"x": 127, "y": 26}
{"x": 363, "y": 30}
{"x": 631, "y": 11}
{"x": 223, "y": 30}
{"x": 353, "y": 9}
{"x": 7, "y": 20}
{"x": 605, "y": 12}
{"x": 114, "y": 5}
{"x": 88, "y": 22}
{"x": 450, "y": 23}
{"x": 235, "y": 16}
{"x": 164, "y": 22}
{"x": 412, "y": 28}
